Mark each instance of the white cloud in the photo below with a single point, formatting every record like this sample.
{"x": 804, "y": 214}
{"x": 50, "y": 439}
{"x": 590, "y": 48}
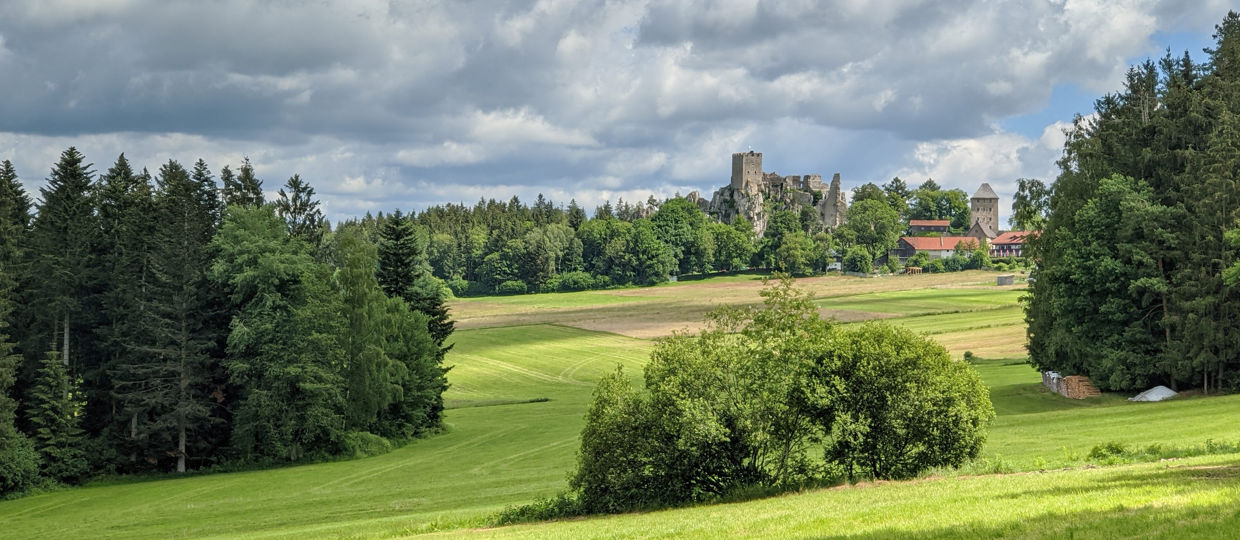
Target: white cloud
{"x": 523, "y": 126}
{"x": 384, "y": 104}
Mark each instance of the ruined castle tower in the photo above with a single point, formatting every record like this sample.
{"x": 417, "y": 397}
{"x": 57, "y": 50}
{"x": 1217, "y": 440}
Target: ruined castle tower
{"x": 747, "y": 171}
{"x": 833, "y": 205}
{"x": 984, "y": 209}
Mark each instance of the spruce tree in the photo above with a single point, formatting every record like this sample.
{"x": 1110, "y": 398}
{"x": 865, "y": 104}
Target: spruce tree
{"x": 172, "y": 385}
{"x": 127, "y": 223}
{"x": 403, "y": 276}
{"x": 14, "y": 211}
{"x": 63, "y": 268}
{"x": 19, "y": 463}
{"x": 14, "y": 225}
{"x": 298, "y": 207}
{"x": 250, "y": 192}
{"x": 53, "y": 412}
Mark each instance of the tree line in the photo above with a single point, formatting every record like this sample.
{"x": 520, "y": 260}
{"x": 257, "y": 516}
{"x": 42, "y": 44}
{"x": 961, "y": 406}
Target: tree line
{"x": 510, "y": 247}
{"x": 1130, "y": 287}
{"x": 170, "y": 321}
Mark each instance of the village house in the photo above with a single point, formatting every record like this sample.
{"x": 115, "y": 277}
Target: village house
{"x": 937, "y": 247}
{"x": 925, "y": 227}
{"x": 1009, "y": 244}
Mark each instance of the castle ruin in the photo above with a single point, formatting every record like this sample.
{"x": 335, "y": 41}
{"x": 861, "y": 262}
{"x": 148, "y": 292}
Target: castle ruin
{"x": 754, "y": 194}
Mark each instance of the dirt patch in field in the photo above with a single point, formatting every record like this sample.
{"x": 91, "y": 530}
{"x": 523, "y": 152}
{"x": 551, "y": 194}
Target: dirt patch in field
{"x": 666, "y": 309}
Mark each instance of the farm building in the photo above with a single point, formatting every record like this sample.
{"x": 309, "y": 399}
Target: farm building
{"x": 937, "y": 247}
{"x": 920, "y": 227}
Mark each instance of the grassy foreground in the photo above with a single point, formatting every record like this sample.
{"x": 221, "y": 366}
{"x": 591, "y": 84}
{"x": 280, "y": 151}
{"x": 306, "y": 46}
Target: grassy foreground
{"x": 519, "y": 393}
{"x": 1192, "y": 498}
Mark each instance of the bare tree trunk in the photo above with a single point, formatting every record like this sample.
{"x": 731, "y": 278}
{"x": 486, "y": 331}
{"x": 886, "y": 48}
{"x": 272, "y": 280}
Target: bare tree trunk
{"x": 181, "y": 445}
{"x": 65, "y": 356}
{"x": 133, "y": 435}
{"x": 181, "y": 398}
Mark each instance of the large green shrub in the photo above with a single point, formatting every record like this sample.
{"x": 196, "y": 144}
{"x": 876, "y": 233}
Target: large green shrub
{"x": 720, "y": 411}
{"x": 740, "y": 405}
{"x": 858, "y": 260}
{"x": 893, "y": 403}
{"x": 511, "y": 287}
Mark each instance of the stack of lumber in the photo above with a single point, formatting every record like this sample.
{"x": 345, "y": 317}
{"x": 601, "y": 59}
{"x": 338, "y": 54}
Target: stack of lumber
{"x": 1079, "y": 387}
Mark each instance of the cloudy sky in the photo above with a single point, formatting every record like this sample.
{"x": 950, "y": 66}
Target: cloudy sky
{"x": 387, "y": 104}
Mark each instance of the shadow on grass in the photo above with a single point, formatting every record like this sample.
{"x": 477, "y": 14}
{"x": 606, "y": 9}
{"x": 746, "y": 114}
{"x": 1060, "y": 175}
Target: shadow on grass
{"x": 451, "y": 404}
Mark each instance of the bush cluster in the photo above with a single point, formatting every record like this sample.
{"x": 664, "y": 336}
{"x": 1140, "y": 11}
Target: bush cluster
{"x": 744, "y": 404}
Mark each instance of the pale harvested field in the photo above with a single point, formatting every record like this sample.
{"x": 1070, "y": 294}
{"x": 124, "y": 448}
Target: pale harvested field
{"x": 651, "y": 312}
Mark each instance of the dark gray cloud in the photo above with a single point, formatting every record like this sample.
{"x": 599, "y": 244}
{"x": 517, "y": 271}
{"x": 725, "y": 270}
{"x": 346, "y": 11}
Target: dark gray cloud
{"x": 384, "y": 103}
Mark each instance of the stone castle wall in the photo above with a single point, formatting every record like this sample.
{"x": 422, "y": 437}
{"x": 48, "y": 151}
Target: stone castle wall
{"x": 752, "y": 193}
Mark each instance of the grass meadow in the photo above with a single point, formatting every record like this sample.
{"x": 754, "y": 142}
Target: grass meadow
{"x": 523, "y": 370}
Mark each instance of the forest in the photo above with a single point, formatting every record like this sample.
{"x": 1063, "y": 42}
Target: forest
{"x": 1132, "y": 286}
{"x": 178, "y": 321}
{"x": 159, "y": 322}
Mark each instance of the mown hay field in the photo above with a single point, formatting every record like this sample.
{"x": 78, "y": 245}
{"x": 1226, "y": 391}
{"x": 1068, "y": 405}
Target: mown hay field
{"x": 521, "y": 380}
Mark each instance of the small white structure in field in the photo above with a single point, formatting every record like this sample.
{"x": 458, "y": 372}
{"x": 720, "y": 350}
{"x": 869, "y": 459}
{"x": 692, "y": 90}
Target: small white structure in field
{"x": 1157, "y": 393}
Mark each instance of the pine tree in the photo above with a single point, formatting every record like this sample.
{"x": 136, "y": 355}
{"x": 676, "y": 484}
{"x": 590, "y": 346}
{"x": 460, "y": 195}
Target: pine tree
{"x": 14, "y": 211}
{"x": 298, "y": 207}
{"x": 127, "y": 223}
{"x": 63, "y": 269}
{"x": 19, "y": 463}
{"x": 172, "y": 384}
{"x": 14, "y": 227}
{"x": 242, "y": 189}
{"x": 53, "y": 413}
{"x": 402, "y": 276}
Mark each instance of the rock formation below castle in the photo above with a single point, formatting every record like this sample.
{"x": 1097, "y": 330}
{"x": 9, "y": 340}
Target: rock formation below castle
{"x": 755, "y": 195}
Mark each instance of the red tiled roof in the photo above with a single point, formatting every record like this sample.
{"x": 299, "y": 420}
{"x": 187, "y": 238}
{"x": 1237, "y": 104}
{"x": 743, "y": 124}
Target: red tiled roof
{"x": 1012, "y": 237}
{"x": 924, "y": 243}
{"x": 930, "y": 222}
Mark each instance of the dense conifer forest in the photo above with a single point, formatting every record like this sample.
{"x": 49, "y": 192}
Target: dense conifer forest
{"x": 163, "y": 322}
{"x": 1131, "y": 288}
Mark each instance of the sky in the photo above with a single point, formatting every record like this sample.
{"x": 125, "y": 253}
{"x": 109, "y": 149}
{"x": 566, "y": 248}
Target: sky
{"x": 383, "y": 105}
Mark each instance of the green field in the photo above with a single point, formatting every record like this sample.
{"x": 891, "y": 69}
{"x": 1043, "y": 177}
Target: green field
{"x": 1194, "y": 498}
{"x": 924, "y": 301}
{"x": 518, "y": 395}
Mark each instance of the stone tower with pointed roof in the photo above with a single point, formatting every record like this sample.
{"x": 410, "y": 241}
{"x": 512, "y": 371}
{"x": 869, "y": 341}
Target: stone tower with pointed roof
{"x": 984, "y": 209}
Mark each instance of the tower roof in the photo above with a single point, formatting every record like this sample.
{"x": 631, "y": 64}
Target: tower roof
{"x": 985, "y": 192}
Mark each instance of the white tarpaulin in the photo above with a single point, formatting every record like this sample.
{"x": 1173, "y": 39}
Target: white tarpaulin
{"x": 1157, "y": 393}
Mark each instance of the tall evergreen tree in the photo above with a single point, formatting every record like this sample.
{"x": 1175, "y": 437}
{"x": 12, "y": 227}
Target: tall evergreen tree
{"x": 401, "y": 276}
{"x": 14, "y": 211}
{"x": 14, "y": 227}
{"x": 298, "y": 207}
{"x": 243, "y": 188}
{"x": 53, "y": 411}
{"x": 1152, "y": 307}
{"x": 179, "y": 312}
{"x": 127, "y": 221}
{"x": 19, "y": 463}
{"x": 63, "y": 267}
